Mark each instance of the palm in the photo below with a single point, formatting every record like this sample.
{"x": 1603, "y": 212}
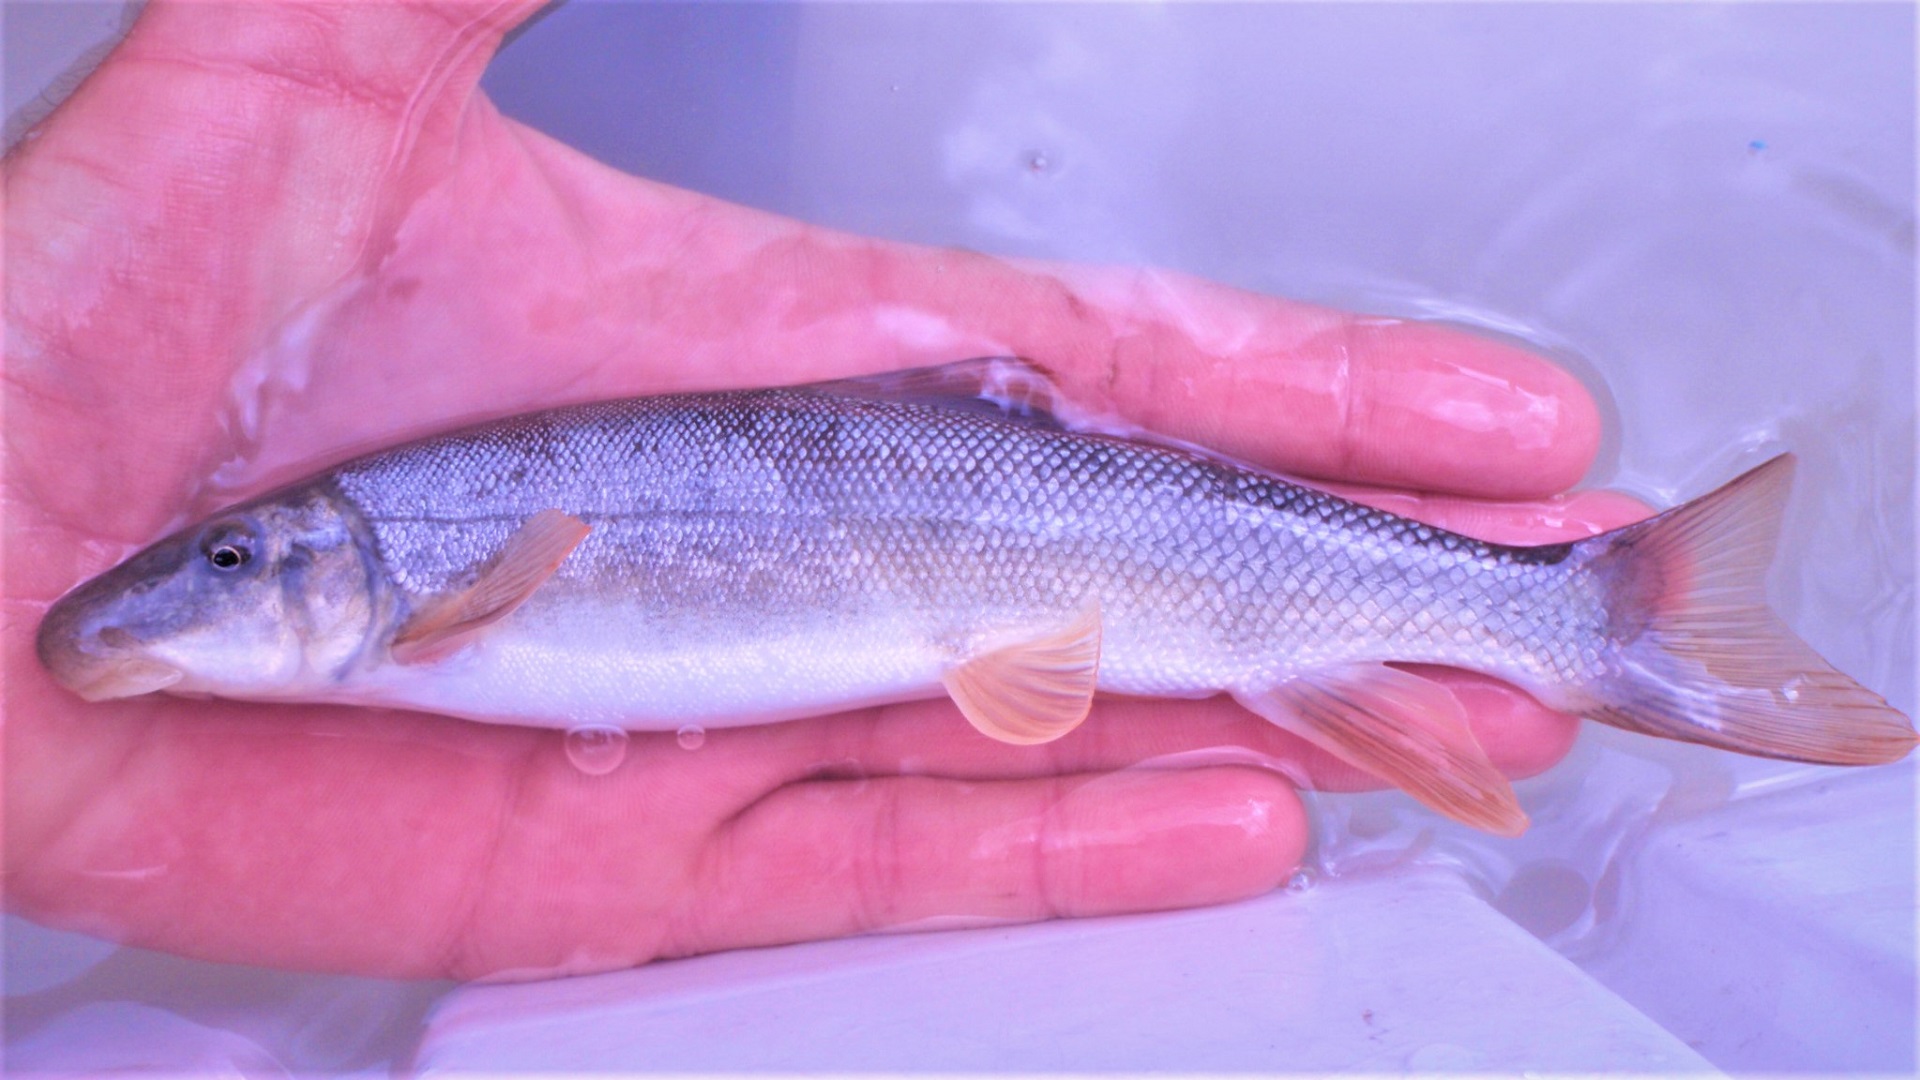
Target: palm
{"x": 207, "y": 215}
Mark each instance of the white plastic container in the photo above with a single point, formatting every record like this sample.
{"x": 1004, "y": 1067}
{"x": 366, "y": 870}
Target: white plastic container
{"x": 1706, "y": 210}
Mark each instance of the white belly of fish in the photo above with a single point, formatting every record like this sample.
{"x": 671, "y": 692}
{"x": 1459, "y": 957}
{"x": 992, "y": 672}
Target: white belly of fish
{"x": 593, "y": 671}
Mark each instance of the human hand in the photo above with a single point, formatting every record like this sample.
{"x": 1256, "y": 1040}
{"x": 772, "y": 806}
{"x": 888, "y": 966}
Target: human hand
{"x": 262, "y": 237}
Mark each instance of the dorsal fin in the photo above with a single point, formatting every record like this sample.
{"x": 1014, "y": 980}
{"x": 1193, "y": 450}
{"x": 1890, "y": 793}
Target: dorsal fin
{"x": 1011, "y": 387}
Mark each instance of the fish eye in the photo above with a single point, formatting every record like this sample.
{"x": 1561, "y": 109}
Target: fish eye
{"x": 228, "y": 556}
{"x": 228, "y": 548}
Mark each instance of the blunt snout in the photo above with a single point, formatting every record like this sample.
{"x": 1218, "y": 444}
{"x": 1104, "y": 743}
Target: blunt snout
{"x": 92, "y": 649}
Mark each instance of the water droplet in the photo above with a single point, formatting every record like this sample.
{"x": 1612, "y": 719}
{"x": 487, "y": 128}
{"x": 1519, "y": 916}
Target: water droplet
{"x": 596, "y": 750}
{"x": 1038, "y": 163}
{"x": 691, "y": 737}
{"x": 1301, "y": 881}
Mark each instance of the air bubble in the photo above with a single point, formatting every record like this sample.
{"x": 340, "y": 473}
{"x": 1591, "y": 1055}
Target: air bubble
{"x": 691, "y": 737}
{"x": 596, "y": 751}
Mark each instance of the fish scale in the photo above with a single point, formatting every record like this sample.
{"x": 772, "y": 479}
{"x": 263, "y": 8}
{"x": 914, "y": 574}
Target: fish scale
{"x": 786, "y": 504}
{"x": 757, "y": 556}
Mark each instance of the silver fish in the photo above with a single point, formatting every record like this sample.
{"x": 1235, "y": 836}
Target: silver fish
{"x": 748, "y": 557}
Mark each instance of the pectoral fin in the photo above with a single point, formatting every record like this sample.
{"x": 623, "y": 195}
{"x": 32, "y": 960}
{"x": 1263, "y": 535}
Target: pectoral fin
{"x": 1409, "y": 731}
{"x": 1035, "y": 690}
{"x": 530, "y": 557}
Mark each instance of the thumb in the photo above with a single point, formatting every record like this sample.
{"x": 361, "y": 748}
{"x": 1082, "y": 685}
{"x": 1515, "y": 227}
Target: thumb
{"x": 223, "y": 166}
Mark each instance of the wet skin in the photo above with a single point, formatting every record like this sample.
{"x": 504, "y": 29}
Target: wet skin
{"x": 227, "y": 186}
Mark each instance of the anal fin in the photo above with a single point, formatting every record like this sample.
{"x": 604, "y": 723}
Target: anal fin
{"x": 1033, "y": 691}
{"x": 1409, "y": 731}
{"x": 531, "y": 556}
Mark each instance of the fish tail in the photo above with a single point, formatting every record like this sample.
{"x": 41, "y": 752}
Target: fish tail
{"x": 1698, "y": 656}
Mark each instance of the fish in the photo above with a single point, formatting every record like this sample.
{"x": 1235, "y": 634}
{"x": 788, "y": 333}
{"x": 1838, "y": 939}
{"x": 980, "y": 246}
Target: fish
{"x": 755, "y": 556}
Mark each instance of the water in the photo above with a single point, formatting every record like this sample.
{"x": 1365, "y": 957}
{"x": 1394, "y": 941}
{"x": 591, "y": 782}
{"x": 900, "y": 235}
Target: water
{"x": 1703, "y": 211}
{"x": 596, "y": 751}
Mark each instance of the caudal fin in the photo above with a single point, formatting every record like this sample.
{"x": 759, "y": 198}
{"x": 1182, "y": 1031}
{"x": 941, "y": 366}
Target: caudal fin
{"x": 1702, "y": 658}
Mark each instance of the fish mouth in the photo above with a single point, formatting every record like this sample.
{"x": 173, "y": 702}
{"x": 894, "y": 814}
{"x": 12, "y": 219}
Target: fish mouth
{"x": 90, "y": 654}
{"x": 124, "y": 678}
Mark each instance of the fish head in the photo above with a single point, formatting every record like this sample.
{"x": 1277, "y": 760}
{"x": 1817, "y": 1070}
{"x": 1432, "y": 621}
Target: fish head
{"x": 269, "y": 599}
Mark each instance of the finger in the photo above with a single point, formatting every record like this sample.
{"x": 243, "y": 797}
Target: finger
{"x": 1302, "y": 389}
{"x": 930, "y": 739}
{"x": 1522, "y": 737}
{"x": 1292, "y": 386}
{"x": 619, "y": 287}
{"x": 832, "y": 858}
{"x": 1315, "y": 391}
